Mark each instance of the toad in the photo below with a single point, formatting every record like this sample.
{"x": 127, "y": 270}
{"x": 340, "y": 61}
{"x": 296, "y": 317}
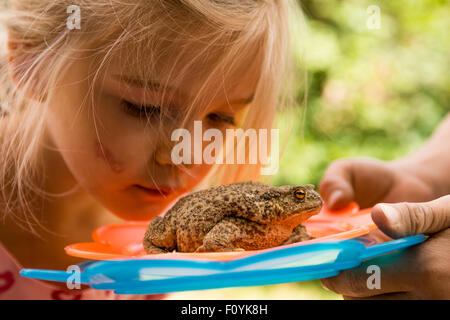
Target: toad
{"x": 234, "y": 217}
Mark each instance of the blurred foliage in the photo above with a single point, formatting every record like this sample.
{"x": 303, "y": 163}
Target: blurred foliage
{"x": 370, "y": 92}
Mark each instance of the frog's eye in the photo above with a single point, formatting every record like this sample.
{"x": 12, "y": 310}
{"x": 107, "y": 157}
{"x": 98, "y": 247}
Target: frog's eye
{"x": 300, "y": 194}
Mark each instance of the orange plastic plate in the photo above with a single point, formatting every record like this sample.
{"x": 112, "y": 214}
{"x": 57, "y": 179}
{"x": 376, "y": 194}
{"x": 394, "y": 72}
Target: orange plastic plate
{"x": 124, "y": 241}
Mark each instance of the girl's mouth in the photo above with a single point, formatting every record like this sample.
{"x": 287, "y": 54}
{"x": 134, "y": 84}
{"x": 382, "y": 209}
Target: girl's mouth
{"x": 154, "y": 193}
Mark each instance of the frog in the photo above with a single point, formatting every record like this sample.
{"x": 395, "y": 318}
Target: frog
{"x": 242, "y": 216}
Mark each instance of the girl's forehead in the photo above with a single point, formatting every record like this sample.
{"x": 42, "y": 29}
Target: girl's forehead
{"x": 187, "y": 74}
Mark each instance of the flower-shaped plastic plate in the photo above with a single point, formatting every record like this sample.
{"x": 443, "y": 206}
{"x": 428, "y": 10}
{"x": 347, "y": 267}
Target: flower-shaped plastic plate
{"x": 125, "y": 240}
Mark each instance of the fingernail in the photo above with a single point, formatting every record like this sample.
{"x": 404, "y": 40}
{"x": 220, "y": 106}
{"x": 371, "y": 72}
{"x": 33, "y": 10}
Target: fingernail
{"x": 391, "y": 214}
{"x": 334, "y": 198}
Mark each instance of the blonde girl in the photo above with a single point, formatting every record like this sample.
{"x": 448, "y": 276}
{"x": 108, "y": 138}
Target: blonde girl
{"x": 87, "y": 114}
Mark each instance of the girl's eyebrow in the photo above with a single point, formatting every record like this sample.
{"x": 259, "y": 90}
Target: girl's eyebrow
{"x": 156, "y": 86}
{"x": 139, "y": 83}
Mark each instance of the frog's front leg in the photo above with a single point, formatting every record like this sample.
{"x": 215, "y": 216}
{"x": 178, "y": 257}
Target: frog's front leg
{"x": 298, "y": 234}
{"x": 237, "y": 234}
{"x": 222, "y": 237}
{"x": 160, "y": 236}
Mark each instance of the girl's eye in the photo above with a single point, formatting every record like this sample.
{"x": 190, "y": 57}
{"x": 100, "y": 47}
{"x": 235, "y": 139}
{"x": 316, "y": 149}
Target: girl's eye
{"x": 140, "y": 111}
{"x": 218, "y": 118}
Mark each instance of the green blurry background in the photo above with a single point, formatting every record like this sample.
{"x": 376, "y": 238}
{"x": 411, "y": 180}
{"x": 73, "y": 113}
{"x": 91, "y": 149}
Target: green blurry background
{"x": 371, "y": 93}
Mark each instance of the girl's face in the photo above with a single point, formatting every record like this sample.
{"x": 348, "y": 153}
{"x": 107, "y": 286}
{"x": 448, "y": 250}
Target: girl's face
{"x": 115, "y": 148}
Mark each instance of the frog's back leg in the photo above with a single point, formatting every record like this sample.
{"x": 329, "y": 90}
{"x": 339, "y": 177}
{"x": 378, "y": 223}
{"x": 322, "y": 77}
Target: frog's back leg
{"x": 234, "y": 233}
{"x": 160, "y": 236}
{"x": 298, "y": 234}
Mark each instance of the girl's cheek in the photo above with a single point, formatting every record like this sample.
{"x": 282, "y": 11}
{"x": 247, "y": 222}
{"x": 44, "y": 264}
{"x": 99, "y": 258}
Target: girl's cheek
{"x": 106, "y": 155}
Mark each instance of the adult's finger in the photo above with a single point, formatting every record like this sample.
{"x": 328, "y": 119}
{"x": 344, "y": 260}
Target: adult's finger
{"x": 395, "y": 273}
{"x": 336, "y": 186}
{"x": 405, "y": 219}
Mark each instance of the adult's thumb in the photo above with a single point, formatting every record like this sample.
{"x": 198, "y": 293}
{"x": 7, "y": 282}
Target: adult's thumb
{"x": 407, "y": 218}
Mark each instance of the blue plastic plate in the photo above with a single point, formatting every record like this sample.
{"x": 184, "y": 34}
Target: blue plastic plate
{"x": 152, "y": 276}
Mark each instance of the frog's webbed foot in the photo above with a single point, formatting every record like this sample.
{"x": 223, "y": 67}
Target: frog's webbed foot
{"x": 298, "y": 234}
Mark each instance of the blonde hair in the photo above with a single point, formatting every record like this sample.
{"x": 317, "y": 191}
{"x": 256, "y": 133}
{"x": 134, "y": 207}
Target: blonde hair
{"x": 225, "y": 33}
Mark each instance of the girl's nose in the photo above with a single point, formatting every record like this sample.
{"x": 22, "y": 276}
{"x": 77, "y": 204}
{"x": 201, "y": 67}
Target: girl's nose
{"x": 163, "y": 152}
{"x": 163, "y": 155}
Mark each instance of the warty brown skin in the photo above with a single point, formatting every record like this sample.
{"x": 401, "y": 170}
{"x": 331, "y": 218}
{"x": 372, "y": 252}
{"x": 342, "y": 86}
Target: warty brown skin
{"x": 239, "y": 216}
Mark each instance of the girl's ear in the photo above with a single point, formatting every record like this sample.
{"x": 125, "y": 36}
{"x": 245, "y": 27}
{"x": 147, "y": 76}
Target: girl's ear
{"x": 20, "y": 67}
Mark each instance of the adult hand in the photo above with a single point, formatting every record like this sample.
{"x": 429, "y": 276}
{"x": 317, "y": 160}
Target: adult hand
{"x": 370, "y": 181}
{"x": 419, "y": 272}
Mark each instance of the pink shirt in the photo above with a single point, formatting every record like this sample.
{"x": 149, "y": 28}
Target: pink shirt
{"x": 15, "y": 287}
